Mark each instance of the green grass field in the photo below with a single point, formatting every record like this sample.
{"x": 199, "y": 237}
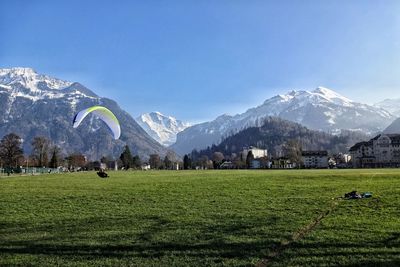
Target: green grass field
{"x": 201, "y": 218}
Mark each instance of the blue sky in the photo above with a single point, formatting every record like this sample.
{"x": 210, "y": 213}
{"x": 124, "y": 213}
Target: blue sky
{"x": 198, "y": 59}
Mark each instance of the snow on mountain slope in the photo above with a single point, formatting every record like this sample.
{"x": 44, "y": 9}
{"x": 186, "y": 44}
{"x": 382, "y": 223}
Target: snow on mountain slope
{"x": 33, "y": 104}
{"x": 160, "y": 127}
{"x": 320, "y": 109}
{"x": 30, "y": 79}
{"x": 391, "y": 105}
{"x": 27, "y": 83}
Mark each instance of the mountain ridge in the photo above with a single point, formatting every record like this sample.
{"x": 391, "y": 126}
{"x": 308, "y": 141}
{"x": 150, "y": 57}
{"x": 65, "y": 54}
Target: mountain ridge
{"x": 321, "y": 109}
{"x": 33, "y": 104}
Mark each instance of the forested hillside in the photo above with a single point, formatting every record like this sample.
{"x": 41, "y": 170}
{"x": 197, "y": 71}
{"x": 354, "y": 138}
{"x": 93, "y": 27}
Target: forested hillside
{"x": 275, "y": 133}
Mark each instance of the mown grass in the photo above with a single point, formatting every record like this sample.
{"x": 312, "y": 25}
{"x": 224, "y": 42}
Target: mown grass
{"x": 200, "y": 218}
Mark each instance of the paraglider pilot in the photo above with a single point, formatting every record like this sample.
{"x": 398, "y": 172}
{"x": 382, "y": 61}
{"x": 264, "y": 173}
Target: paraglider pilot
{"x": 101, "y": 173}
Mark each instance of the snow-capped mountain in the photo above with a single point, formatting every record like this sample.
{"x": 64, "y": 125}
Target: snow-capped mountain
{"x": 393, "y": 128}
{"x": 162, "y": 128}
{"x": 320, "y": 109}
{"x": 391, "y": 105}
{"x": 33, "y": 104}
{"x": 28, "y": 78}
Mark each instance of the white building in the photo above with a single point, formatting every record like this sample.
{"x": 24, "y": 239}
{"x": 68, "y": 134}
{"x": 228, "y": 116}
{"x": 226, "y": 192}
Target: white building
{"x": 315, "y": 159}
{"x": 381, "y": 151}
{"x": 282, "y": 163}
{"x": 257, "y": 152}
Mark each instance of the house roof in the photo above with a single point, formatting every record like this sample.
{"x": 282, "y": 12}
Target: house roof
{"x": 359, "y": 144}
{"x": 315, "y": 153}
{"x": 226, "y": 163}
{"x": 394, "y": 138}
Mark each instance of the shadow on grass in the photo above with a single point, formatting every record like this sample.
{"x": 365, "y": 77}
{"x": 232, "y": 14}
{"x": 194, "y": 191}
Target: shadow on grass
{"x": 234, "y": 238}
{"x": 384, "y": 252}
{"x": 72, "y": 239}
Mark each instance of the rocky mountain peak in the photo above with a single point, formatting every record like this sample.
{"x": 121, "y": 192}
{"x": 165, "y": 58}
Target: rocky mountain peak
{"x": 161, "y": 127}
{"x": 30, "y": 79}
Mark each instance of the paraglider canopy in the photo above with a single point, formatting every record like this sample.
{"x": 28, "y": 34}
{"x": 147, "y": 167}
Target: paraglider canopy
{"x": 104, "y": 114}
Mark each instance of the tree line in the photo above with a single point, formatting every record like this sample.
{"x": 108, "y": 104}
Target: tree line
{"x": 46, "y": 154}
{"x": 197, "y": 161}
{"x": 43, "y": 152}
{"x": 282, "y": 139}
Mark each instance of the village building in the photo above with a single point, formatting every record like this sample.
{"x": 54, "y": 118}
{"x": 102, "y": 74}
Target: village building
{"x": 315, "y": 159}
{"x": 381, "y": 151}
{"x": 259, "y": 160}
{"x": 227, "y": 165}
{"x": 255, "y": 164}
{"x": 282, "y": 163}
{"x": 257, "y": 152}
{"x": 260, "y": 163}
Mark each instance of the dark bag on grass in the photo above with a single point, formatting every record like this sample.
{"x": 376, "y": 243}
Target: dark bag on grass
{"x": 352, "y": 195}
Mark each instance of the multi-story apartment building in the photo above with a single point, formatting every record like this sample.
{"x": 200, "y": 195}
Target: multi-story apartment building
{"x": 315, "y": 159}
{"x": 381, "y": 151}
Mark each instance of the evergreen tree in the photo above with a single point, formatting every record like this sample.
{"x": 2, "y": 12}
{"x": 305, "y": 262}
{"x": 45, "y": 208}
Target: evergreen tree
{"x": 249, "y": 159}
{"x": 136, "y": 162}
{"x": 167, "y": 163}
{"x": 54, "y": 161}
{"x": 126, "y": 158}
{"x": 104, "y": 160}
{"x": 186, "y": 162}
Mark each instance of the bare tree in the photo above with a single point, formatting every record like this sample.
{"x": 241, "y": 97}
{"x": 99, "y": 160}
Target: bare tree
{"x": 155, "y": 161}
{"x": 76, "y": 160}
{"x": 292, "y": 150}
{"x": 217, "y": 159}
{"x": 40, "y": 150}
{"x": 10, "y": 150}
{"x": 203, "y": 162}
